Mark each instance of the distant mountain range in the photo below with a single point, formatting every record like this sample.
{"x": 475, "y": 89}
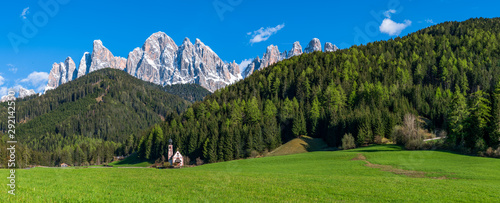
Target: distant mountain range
{"x": 162, "y": 62}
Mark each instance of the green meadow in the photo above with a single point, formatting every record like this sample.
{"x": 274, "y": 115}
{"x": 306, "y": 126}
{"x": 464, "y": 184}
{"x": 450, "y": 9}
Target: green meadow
{"x": 323, "y": 176}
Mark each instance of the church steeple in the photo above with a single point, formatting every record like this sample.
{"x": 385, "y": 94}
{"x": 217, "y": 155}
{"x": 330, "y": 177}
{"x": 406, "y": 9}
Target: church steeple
{"x": 170, "y": 150}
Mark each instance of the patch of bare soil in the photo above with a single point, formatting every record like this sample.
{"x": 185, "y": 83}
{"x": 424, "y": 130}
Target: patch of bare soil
{"x": 388, "y": 168}
{"x": 359, "y": 157}
{"x": 99, "y": 99}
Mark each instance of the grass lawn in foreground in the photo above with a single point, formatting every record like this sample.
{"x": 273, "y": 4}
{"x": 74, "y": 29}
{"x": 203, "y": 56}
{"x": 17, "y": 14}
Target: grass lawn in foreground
{"x": 324, "y": 176}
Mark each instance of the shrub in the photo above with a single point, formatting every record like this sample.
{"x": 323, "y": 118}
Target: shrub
{"x": 199, "y": 161}
{"x": 254, "y": 154}
{"x": 398, "y": 135}
{"x": 409, "y": 135}
{"x": 480, "y": 145}
{"x": 496, "y": 153}
{"x": 490, "y": 151}
{"x": 378, "y": 139}
{"x": 348, "y": 142}
{"x": 414, "y": 144}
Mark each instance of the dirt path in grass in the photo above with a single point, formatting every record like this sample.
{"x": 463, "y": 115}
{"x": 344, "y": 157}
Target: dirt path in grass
{"x": 388, "y": 168}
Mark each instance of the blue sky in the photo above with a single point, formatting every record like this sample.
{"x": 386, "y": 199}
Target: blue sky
{"x": 232, "y": 28}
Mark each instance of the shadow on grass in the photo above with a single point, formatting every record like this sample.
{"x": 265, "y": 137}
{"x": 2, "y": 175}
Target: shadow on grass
{"x": 316, "y": 144}
{"x": 379, "y": 148}
{"x": 132, "y": 160}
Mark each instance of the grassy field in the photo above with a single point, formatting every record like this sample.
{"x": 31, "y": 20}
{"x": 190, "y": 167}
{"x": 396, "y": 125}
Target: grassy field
{"x": 307, "y": 177}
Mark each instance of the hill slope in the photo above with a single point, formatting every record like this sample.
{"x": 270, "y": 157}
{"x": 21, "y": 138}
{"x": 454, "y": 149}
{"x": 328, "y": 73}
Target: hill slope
{"x": 106, "y": 105}
{"x": 300, "y": 145}
{"x": 446, "y": 73}
{"x": 306, "y": 177}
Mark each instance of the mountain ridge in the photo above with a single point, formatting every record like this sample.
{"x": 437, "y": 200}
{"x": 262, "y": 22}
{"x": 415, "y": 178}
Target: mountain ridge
{"x": 161, "y": 61}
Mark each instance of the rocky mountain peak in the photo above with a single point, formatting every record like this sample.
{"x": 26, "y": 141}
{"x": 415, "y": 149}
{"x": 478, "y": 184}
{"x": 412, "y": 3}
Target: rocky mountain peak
{"x": 296, "y": 50}
{"x": 103, "y": 58}
{"x": 25, "y": 93}
{"x": 199, "y": 42}
{"x": 84, "y": 66}
{"x": 161, "y": 61}
{"x": 186, "y": 41}
{"x": 155, "y": 43}
{"x": 61, "y": 73}
{"x": 271, "y": 56}
{"x": 19, "y": 93}
{"x": 314, "y": 45}
{"x": 329, "y": 47}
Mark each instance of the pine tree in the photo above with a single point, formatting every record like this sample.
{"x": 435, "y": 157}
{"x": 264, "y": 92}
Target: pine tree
{"x": 252, "y": 112}
{"x": 495, "y": 125}
{"x": 206, "y": 149}
{"x": 457, "y": 116}
{"x": 314, "y": 115}
{"x": 478, "y": 120}
{"x": 299, "y": 124}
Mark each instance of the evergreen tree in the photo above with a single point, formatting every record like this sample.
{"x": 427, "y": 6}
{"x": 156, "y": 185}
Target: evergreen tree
{"x": 457, "y": 116}
{"x": 299, "y": 124}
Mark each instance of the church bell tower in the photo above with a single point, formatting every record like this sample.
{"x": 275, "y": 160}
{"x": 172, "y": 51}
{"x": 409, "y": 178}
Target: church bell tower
{"x": 170, "y": 150}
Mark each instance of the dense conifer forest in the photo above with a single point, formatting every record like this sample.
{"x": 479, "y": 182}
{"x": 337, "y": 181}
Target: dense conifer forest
{"x": 190, "y": 92}
{"x": 447, "y": 74}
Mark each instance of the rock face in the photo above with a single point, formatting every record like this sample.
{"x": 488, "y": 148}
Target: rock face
{"x": 329, "y": 47}
{"x": 103, "y": 58}
{"x": 20, "y": 93}
{"x": 271, "y": 57}
{"x": 296, "y": 50}
{"x": 314, "y": 45}
{"x": 255, "y": 65}
{"x": 162, "y": 62}
{"x": 85, "y": 63}
{"x": 25, "y": 93}
{"x": 61, "y": 73}
{"x": 100, "y": 58}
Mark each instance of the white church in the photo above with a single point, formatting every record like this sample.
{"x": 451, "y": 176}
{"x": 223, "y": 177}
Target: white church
{"x": 174, "y": 159}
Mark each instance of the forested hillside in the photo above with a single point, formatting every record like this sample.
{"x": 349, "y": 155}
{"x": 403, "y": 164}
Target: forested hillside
{"x": 448, "y": 73}
{"x": 88, "y": 120}
{"x": 190, "y": 92}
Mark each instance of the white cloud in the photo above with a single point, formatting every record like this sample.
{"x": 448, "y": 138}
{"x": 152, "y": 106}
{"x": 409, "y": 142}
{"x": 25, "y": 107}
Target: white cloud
{"x": 1, "y": 80}
{"x": 37, "y": 79}
{"x": 263, "y": 34}
{"x": 388, "y": 13}
{"x": 25, "y": 12}
{"x": 390, "y": 27}
{"x": 12, "y": 68}
{"x": 3, "y": 91}
{"x": 429, "y": 21}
